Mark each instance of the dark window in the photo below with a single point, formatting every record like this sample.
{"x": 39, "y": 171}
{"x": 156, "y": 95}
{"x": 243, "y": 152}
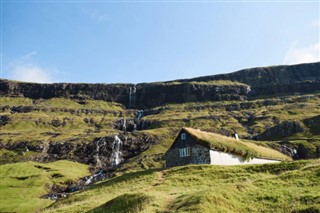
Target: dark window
{"x": 183, "y": 136}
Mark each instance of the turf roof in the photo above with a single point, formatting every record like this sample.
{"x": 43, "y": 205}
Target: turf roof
{"x": 230, "y": 145}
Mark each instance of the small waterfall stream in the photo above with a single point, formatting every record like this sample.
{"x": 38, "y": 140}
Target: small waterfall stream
{"x": 97, "y": 156}
{"x": 124, "y": 125}
{"x": 116, "y": 151}
{"x": 132, "y": 96}
{"x": 139, "y": 114}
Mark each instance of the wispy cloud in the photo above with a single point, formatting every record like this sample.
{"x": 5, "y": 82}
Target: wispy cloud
{"x": 31, "y": 73}
{"x": 296, "y": 55}
{"x": 25, "y": 69}
{"x": 95, "y": 15}
{"x": 315, "y": 23}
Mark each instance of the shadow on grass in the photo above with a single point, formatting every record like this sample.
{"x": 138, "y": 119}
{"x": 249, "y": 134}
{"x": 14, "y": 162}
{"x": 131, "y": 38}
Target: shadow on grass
{"x": 124, "y": 203}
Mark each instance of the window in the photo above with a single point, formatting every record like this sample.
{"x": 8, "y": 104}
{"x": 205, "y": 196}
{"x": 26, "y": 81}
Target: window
{"x": 183, "y": 136}
{"x": 184, "y": 152}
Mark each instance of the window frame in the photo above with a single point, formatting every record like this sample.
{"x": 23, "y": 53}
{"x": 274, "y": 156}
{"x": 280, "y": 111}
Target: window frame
{"x": 184, "y": 152}
{"x": 183, "y": 136}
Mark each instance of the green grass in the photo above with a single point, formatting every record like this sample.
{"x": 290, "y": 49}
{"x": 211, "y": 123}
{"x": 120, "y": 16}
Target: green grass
{"x": 125, "y": 203}
{"x": 22, "y": 184}
{"x": 184, "y": 189}
{"x": 211, "y": 83}
{"x": 282, "y": 187}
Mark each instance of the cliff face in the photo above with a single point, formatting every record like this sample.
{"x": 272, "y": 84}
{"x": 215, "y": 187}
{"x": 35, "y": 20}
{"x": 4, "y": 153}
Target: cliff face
{"x": 132, "y": 96}
{"x": 275, "y": 79}
{"x": 108, "y": 92}
{"x": 302, "y": 78}
{"x": 150, "y": 95}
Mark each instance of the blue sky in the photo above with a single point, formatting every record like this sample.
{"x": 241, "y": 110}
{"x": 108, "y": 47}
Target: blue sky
{"x": 134, "y": 42}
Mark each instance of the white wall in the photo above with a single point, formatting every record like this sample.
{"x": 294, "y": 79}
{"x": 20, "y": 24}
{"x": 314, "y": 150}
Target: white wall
{"x": 222, "y": 158}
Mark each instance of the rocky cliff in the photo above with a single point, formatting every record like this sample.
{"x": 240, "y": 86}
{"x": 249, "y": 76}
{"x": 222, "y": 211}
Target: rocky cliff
{"x": 274, "y": 79}
{"x": 302, "y": 78}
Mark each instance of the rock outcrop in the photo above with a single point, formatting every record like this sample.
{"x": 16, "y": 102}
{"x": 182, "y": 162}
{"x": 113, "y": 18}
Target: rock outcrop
{"x": 275, "y": 79}
{"x": 282, "y": 130}
{"x": 99, "y": 153}
{"x": 302, "y": 78}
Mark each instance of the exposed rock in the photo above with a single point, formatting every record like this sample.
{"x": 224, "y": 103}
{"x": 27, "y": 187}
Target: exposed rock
{"x": 4, "y": 119}
{"x": 302, "y": 78}
{"x": 132, "y": 144}
{"x": 313, "y": 124}
{"x": 284, "y": 129}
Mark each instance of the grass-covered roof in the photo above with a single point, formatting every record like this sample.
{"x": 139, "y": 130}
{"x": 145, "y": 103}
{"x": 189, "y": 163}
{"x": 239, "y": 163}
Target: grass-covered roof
{"x": 230, "y": 145}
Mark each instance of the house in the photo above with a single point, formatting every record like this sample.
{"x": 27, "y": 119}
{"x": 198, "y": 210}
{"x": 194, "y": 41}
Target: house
{"x": 198, "y": 147}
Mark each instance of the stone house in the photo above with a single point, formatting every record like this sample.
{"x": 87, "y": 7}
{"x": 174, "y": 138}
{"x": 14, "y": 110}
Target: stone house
{"x": 198, "y": 147}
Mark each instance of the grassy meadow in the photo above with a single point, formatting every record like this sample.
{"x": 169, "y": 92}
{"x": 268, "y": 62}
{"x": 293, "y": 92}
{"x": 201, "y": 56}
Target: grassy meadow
{"x": 281, "y": 187}
{"x": 22, "y": 184}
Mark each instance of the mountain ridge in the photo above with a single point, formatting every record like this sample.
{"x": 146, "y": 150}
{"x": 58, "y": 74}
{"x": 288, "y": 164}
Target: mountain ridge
{"x": 260, "y": 81}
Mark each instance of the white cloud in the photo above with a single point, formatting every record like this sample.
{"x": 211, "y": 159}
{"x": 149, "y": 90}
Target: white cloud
{"x": 31, "y": 73}
{"x": 315, "y": 23}
{"x": 25, "y": 69}
{"x": 95, "y": 15}
{"x": 296, "y": 55}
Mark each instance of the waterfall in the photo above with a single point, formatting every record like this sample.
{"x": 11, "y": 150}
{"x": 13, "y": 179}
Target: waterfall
{"x": 248, "y": 89}
{"x": 98, "y": 161}
{"x": 132, "y": 96}
{"x": 116, "y": 151}
{"x": 124, "y": 125}
{"x": 140, "y": 114}
{"x": 91, "y": 178}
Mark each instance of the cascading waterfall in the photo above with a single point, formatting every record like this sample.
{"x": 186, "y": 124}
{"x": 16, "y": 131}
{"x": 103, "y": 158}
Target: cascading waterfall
{"x": 116, "y": 151}
{"x": 98, "y": 144}
{"x": 124, "y": 125}
{"x": 132, "y": 96}
{"x": 248, "y": 89}
{"x": 140, "y": 114}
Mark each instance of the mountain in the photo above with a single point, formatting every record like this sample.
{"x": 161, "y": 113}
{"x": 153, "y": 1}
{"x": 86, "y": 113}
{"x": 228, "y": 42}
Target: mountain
{"x": 240, "y": 85}
{"x": 124, "y": 128}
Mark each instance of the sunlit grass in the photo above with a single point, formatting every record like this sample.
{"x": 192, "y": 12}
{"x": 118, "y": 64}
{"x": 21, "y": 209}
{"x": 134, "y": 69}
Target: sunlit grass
{"x": 22, "y": 184}
{"x": 205, "y": 188}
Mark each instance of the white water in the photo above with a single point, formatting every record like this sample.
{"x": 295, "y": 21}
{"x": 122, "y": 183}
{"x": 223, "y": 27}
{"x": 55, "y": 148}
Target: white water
{"x": 140, "y": 114}
{"x": 98, "y": 144}
{"x": 132, "y": 96}
{"x": 248, "y": 89}
{"x": 90, "y": 179}
{"x": 124, "y": 125}
{"x": 116, "y": 151}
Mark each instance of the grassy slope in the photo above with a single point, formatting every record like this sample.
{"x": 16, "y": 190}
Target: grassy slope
{"x": 210, "y": 83}
{"x": 22, "y": 184}
{"x": 213, "y": 116}
{"x": 282, "y": 187}
{"x": 219, "y": 117}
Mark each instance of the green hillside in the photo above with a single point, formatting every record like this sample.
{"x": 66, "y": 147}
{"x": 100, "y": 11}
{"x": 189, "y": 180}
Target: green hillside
{"x": 22, "y": 184}
{"x": 40, "y": 122}
{"x": 40, "y": 130}
{"x": 284, "y": 187}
